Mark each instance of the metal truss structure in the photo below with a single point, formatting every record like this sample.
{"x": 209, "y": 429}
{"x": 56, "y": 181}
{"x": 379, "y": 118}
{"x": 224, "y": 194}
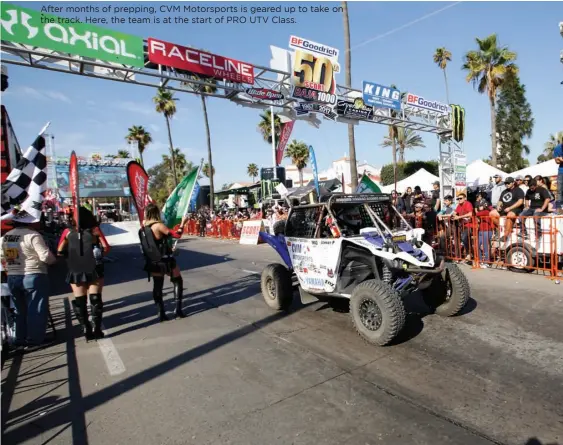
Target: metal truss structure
{"x": 152, "y": 75}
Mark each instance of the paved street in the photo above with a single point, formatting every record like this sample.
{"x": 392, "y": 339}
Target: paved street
{"x": 234, "y": 372}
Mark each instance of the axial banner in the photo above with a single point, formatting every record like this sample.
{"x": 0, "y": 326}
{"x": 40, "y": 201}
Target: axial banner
{"x": 40, "y": 30}
{"x": 284, "y": 138}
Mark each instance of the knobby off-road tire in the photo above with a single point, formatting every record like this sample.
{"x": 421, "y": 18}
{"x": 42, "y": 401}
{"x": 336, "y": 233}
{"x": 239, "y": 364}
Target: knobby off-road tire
{"x": 436, "y": 295}
{"x": 377, "y": 325}
{"x": 276, "y": 285}
{"x": 278, "y": 228}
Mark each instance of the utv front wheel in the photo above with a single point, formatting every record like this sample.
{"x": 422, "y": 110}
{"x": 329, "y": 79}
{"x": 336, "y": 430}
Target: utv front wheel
{"x": 277, "y": 288}
{"x": 449, "y": 292}
{"x": 377, "y": 312}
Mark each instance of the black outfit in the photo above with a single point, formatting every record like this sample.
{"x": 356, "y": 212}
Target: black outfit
{"x": 165, "y": 266}
{"x": 202, "y": 224}
{"x": 85, "y": 268}
{"x": 167, "y": 263}
{"x": 536, "y": 198}
{"x": 435, "y": 198}
{"x": 509, "y": 197}
{"x": 406, "y": 204}
{"x": 80, "y": 260}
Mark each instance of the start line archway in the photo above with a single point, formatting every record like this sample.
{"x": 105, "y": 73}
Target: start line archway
{"x": 247, "y": 91}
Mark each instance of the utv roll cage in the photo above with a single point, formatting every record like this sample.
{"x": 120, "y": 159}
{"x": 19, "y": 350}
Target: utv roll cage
{"x": 373, "y": 209}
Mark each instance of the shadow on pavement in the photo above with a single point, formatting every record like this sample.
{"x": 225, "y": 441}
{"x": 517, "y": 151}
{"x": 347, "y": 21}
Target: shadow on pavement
{"x": 535, "y": 441}
{"x": 31, "y": 415}
{"x": 74, "y": 411}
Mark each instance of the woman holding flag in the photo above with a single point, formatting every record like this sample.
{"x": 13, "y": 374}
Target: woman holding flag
{"x": 159, "y": 259}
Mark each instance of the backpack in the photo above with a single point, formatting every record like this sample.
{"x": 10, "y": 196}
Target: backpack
{"x": 150, "y": 248}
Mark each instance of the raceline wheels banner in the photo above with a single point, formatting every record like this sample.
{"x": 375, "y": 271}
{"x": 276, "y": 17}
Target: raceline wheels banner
{"x": 138, "y": 184}
{"x": 458, "y": 122}
{"x": 74, "y": 187}
{"x": 313, "y": 73}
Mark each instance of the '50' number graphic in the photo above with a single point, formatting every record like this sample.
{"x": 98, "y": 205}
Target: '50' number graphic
{"x": 316, "y": 73}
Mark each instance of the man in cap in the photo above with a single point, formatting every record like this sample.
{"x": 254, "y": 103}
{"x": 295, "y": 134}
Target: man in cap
{"x": 498, "y": 188}
{"x": 510, "y": 204}
{"x": 520, "y": 183}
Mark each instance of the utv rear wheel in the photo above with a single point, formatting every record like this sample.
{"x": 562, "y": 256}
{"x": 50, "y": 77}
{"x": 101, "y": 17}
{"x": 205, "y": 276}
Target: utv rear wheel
{"x": 449, "y": 292}
{"x": 277, "y": 288}
{"x": 377, "y": 312}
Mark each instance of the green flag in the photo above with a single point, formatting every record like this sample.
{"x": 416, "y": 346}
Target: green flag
{"x": 176, "y": 205}
{"x": 366, "y": 185}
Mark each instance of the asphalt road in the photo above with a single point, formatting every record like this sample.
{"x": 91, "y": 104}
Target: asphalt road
{"x": 234, "y": 372}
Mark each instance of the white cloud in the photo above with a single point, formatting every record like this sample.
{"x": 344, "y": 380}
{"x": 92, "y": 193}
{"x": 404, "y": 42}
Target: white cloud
{"x": 42, "y": 94}
{"x": 135, "y": 107}
{"x": 83, "y": 144}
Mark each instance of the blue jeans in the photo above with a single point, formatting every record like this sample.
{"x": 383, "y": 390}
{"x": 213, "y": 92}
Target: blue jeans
{"x": 485, "y": 241}
{"x": 30, "y": 293}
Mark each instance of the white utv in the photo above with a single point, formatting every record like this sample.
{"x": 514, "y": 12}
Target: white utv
{"x": 359, "y": 247}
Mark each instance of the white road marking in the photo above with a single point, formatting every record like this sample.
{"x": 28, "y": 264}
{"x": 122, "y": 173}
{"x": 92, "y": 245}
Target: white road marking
{"x": 111, "y": 356}
{"x": 251, "y": 271}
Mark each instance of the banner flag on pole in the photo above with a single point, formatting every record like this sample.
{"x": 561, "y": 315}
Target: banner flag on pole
{"x": 366, "y": 185}
{"x": 74, "y": 187}
{"x": 285, "y": 134}
{"x": 26, "y": 184}
{"x": 138, "y": 184}
{"x": 315, "y": 172}
{"x": 177, "y": 204}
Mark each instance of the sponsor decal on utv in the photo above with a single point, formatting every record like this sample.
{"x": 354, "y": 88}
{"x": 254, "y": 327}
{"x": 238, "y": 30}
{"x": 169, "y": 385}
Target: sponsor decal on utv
{"x": 315, "y": 282}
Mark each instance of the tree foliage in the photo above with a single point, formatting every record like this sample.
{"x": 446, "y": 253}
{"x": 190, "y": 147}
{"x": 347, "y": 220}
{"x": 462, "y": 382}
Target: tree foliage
{"x": 265, "y": 126}
{"x": 406, "y": 169}
{"x": 252, "y": 171}
{"x": 487, "y": 68}
{"x": 141, "y": 136}
{"x": 514, "y": 123}
{"x": 549, "y": 146}
{"x": 404, "y": 138}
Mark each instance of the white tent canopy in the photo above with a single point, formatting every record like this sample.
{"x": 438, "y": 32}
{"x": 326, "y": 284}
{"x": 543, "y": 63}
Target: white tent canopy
{"x": 422, "y": 177}
{"x": 548, "y": 168}
{"x": 479, "y": 172}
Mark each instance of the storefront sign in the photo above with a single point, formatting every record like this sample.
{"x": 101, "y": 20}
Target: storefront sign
{"x": 33, "y": 28}
{"x": 354, "y": 110}
{"x": 381, "y": 96}
{"x": 200, "y": 62}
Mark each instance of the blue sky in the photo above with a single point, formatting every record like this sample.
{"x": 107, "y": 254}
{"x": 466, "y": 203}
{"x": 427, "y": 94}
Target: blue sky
{"x": 93, "y": 115}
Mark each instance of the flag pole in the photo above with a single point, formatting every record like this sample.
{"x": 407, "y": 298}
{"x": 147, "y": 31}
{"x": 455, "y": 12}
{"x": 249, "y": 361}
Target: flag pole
{"x": 192, "y": 191}
{"x": 273, "y": 130}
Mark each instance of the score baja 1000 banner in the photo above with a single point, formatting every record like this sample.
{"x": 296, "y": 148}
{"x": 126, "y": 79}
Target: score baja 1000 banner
{"x": 313, "y": 71}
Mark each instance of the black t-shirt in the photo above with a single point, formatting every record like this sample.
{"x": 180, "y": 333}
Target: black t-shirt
{"x": 435, "y": 197}
{"x": 510, "y": 197}
{"x": 537, "y": 197}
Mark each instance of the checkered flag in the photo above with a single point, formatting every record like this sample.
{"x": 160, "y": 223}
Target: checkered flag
{"x": 26, "y": 184}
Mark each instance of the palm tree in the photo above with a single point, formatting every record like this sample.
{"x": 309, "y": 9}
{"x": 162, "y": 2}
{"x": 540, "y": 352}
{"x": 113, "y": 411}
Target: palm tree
{"x": 123, "y": 154}
{"x": 265, "y": 126}
{"x": 348, "y": 59}
{"x": 554, "y": 141}
{"x": 252, "y": 171}
{"x": 166, "y": 104}
{"x": 486, "y": 69}
{"x": 404, "y": 138}
{"x": 183, "y": 166}
{"x": 441, "y": 58}
{"x": 298, "y": 151}
{"x": 141, "y": 136}
{"x": 205, "y": 169}
{"x": 202, "y": 90}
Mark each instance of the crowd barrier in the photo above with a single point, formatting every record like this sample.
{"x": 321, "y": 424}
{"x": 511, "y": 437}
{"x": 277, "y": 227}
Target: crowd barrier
{"x": 220, "y": 229}
{"x": 522, "y": 244}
